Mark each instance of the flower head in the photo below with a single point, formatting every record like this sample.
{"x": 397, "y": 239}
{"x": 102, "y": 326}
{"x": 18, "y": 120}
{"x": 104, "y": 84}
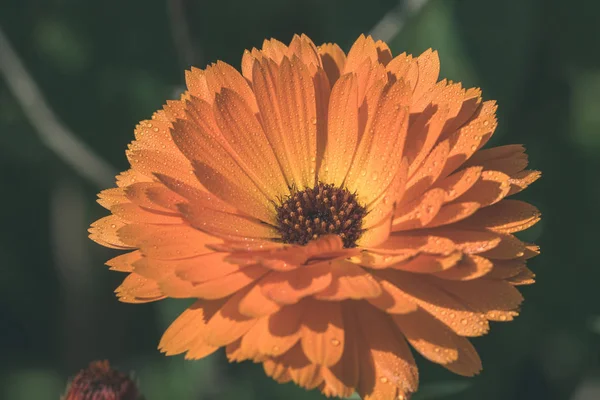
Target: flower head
{"x": 326, "y": 210}
{"x": 100, "y": 382}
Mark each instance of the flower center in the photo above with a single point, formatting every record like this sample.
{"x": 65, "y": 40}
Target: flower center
{"x": 325, "y": 209}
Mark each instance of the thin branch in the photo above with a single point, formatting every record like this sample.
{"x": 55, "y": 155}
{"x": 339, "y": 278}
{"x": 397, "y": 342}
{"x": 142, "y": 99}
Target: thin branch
{"x": 392, "y": 23}
{"x": 50, "y": 129}
{"x": 189, "y": 52}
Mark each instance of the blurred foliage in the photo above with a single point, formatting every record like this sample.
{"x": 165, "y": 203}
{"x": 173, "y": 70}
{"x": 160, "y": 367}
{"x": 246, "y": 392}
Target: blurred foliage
{"x": 106, "y": 65}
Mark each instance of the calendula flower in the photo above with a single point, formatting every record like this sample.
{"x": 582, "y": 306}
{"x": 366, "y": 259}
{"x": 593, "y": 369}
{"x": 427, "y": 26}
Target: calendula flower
{"x": 325, "y": 210}
{"x": 100, "y": 382}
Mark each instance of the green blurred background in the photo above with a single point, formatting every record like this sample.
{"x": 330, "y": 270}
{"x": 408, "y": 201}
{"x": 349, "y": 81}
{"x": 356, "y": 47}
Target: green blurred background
{"x": 105, "y": 65}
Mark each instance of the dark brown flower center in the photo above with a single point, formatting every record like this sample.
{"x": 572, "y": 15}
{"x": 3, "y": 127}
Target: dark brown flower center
{"x": 325, "y": 209}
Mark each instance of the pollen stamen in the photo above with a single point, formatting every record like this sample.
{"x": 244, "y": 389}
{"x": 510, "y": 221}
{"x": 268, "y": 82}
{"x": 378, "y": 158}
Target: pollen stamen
{"x": 322, "y": 210}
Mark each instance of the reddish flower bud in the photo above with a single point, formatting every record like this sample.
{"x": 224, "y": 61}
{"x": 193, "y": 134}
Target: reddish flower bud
{"x": 100, "y": 382}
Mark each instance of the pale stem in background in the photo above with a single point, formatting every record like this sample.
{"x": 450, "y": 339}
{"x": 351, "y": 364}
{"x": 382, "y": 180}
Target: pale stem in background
{"x": 392, "y": 23}
{"x": 50, "y": 129}
{"x": 190, "y": 53}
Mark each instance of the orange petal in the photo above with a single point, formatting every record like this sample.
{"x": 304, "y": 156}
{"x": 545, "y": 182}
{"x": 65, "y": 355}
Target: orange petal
{"x": 458, "y": 183}
{"x": 463, "y": 111}
{"x": 508, "y": 247}
{"x": 438, "y": 303}
{"x": 109, "y": 197}
{"x": 507, "y": 216}
{"x": 342, "y": 131}
{"x": 297, "y": 367}
{"x": 137, "y": 289}
{"x": 224, "y": 224}
{"x": 104, "y": 232}
{"x": 423, "y": 134}
{"x": 255, "y": 304}
{"x": 283, "y": 330}
{"x": 469, "y": 241}
{"x": 189, "y": 327}
{"x": 166, "y": 242}
{"x": 228, "y": 284}
{"x": 333, "y": 59}
{"x": 392, "y": 300}
{"x": 376, "y": 160}
{"x": 525, "y": 277}
{"x": 297, "y": 105}
{"x": 264, "y": 78}
{"x": 510, "y": 159}
{"x": 244, "y": 134}
{"x": 427, "y": 264}
{"x": 150, "y": 162}
{"x": 363, "y": 48}
{"x": 322, "y": 332}
{"x": 162, "y": 197}
{"x": 123, "y": 263}
{"x": 468, "y": 139}
{"x": 133, "y": 213}
{"x": 274, "y": 49}
{"x": 195, "y": 80}
{"x": 137, "y": 193}
{"x": 404, "y": 67}
{"x": 130, "y": 177}
{"x": 413, "y": 242}
{"x": 453, "y": 212}
{"x": 222, "y": 76}
{"x": 429, "y": 69}
{"x": 425, "y": 176}
{"x": 521, "y": 180}
{"x": 504, "y": 269}
{"x": 492, "y": 187}
{"x": 341, "y": 379}
{"x": 290, "y": 286}
{"x": 227, "y": 324}
{"x": 349, "y": 281}
{"x": 387, "y": 368}
{"x": 439, "y": 344}
{"x": 419, "y": 212}
{"x": 384, "y": 54}
{"x": 304, "y": 48}
{"x": 215, "y": 163}
{"x": 470, "y": 267}
{"x": 497, "y": 300}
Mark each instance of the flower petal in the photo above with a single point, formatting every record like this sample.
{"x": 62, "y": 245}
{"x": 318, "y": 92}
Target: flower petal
{"x": 188, "y": 328}
{"x": 297, "y": 105}
{"x": 342, "y": 131}
{"x": 349, "y": 281}
{"x": 387, "y": 368}
{"x": 439, "y": 344}
{"x": 322, "y": 332}
{"x": 333, "y": 59}
{"x": 290, "y": 286}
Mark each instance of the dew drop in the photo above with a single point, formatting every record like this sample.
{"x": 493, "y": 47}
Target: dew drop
{"x": 383, "y": 379}
{"x": 335, "y": 342}
{"x": 463, "y": 321}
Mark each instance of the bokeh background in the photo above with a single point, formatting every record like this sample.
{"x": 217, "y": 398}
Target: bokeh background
{"x": 104, "y": 65}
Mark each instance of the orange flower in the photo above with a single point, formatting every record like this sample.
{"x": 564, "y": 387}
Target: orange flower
{"x": 100, "y": 382}
{"x": 324, "y": 209}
